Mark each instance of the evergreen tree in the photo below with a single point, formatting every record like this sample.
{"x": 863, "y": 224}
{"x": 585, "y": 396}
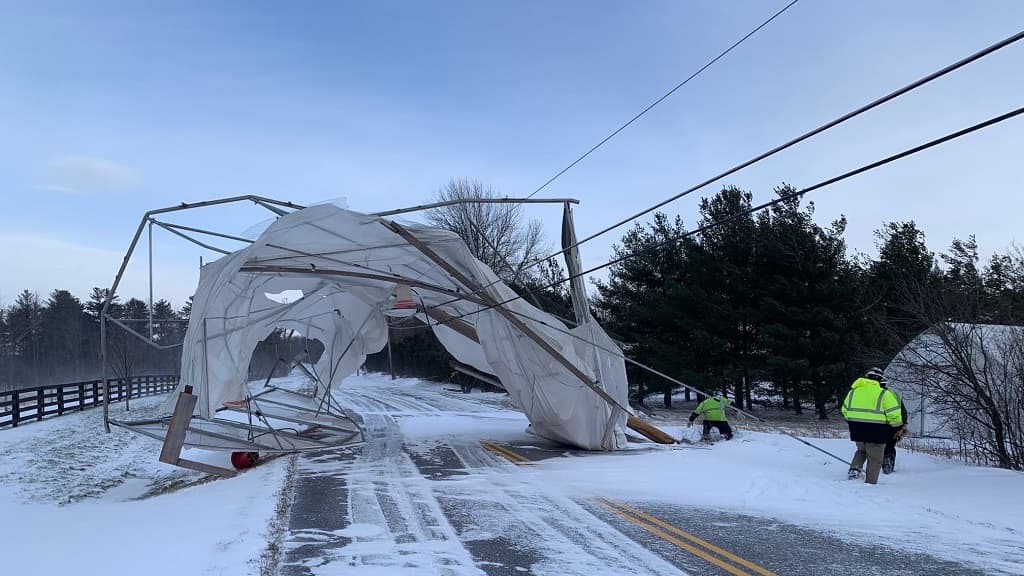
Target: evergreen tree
{"x": 65, "y": 329}
{"x": 808, "y": 306}
{"x": 962, "y": 280}
{"x": 24, "y": 320}
{"x": 1003, "y": 289}
{"x": 636, "y": 302}
{"x": 95, "y": 304}
{"x": 136, "y": 309}
{"x": 164, "y": 330}
{"x": 728, "y": 272}
{"x": 905, "y": 270}
{"x": 186, "y": 310}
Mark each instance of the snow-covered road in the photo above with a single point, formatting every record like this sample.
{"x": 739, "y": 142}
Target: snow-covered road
{"x": 453, "y": 484}
{"x": 425, "y": 497}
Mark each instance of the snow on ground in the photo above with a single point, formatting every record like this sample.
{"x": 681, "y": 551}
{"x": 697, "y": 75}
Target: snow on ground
{"x": 930, "y": 505}
{"x": 74, "y": 500}
{"x": 66, "y": 486}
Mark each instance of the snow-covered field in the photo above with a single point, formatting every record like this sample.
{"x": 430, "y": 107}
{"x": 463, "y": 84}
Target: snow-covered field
{"x": 76, "y": 501}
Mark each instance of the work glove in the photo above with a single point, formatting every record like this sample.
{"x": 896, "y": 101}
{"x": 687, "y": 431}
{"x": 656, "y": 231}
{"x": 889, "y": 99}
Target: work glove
{"x": 900, "y": 434}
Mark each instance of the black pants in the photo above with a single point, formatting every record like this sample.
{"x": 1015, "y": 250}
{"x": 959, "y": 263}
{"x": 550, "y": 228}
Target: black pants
{"x": 890, "y": 447}
{"x": 723, "y": 428}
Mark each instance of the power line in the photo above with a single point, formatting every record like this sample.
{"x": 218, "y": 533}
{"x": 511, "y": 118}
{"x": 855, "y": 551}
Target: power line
{"x": 780, "y": 199}
{"x": 663, "y": 97}
{"x": 874, "y": 104}
{"x": 832, "y": 124}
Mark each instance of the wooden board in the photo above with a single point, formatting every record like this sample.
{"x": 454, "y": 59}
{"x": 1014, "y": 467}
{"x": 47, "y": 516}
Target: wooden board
{"x": 649, "y": 431}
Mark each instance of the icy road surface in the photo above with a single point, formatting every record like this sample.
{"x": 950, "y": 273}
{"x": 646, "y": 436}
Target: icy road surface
{"x": 452, "y": 484}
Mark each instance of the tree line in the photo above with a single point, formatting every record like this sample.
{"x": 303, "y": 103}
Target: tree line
{"x": 57, "y": 340}
{"x": 772, "y": 305}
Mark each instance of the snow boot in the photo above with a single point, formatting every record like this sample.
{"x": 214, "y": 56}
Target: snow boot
{"x": 888, "y": 463}
{"x": 853, "y": 474}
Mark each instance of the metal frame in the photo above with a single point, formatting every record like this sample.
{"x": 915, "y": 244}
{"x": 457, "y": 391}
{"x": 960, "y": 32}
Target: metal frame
{"x": 477, "y": 201}
{"x": 476, "y": 295}
{"x": 259, "y": 200}
{"x": 279, "y": 208}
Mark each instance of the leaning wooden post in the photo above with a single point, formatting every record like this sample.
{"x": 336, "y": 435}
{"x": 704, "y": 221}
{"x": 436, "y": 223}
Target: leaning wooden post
{"x": 175, "y": 439}
{"x": 648, "y": 431}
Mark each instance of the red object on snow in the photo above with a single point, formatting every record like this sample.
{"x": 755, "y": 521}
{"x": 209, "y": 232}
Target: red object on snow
{"x": 242, "y": 460}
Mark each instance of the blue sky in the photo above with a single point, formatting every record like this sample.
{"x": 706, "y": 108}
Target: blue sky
{"x": 111, "y": 109}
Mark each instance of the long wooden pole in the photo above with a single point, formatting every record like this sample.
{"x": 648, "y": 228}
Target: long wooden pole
{"x": 470, "y": 284}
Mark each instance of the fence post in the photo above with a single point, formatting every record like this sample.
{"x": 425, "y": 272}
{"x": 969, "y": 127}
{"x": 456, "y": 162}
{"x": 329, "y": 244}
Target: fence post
{"x": 39, "y": 404}
{"x": 95, "y": 392}
{"x": 15, "y": 409}
{"x": 60, "y": 400}
{"x": 81, "y": 396}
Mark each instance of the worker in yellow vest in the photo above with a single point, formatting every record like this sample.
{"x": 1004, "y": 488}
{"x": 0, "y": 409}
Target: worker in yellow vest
{"x": 713, "y": 410}
{"x": 871, "y": 412}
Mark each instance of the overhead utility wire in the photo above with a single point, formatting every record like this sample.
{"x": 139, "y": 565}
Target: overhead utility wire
{"x": 620, "y": 355}
{"x": 666, "y": 95}
{"x": 888, "y": 97}
{"x": 779, "y": 200}
{"x": 874, "y": 104}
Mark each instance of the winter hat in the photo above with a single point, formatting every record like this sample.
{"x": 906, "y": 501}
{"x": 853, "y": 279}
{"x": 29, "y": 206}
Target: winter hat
{"x": 875, "y": 374}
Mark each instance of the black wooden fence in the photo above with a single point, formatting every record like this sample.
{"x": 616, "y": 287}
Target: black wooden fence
{"x": 31, "y": 404}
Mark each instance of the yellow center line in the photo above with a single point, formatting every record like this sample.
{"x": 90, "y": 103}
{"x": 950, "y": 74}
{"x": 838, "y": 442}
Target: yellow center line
{"x": 679, "y": 543}
{"x": 643, "y": 517}
{"x": 655, "y": 526}
{"x": 504, "y": 452}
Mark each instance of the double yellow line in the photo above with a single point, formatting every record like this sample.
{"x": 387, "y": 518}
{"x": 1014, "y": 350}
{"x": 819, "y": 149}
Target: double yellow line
{"x": 724, "y": 559}
{"x": 699, "y": 547}
{"x": 504, "y": 453}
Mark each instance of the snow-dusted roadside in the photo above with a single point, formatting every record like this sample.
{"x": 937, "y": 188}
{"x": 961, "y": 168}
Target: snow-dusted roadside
{"x": 69, "y": 494}
{"x": 77, "y": 501}
{"x": 930, "y": 505}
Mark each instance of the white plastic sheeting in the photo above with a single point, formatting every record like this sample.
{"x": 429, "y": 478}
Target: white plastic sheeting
{"x": 347, "y": 265}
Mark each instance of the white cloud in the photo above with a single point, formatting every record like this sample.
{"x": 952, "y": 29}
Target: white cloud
{"x": 85, "y": 174}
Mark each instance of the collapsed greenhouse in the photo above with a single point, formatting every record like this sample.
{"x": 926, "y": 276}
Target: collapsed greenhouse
{"x": 354, "y": 271}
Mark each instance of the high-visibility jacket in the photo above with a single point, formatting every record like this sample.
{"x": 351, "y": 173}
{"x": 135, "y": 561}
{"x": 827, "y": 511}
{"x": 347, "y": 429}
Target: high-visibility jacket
{"x": 870, "y": 411}
{"x": 713, "y": 408}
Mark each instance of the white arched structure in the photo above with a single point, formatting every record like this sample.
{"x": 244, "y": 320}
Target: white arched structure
{"x": 348, "y": 266}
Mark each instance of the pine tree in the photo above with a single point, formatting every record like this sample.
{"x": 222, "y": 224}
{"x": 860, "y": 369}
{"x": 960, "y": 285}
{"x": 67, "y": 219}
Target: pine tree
{"x": 808, "y": 307}
{"x": 65, "y": 328}
{"x": 186, "y": 310}
{"x": 95, "y": 304}
{"x": 732, "y": 285}
{"x": 905, "y": 270}
{"x": 962, "y": 284}
{"x": 636, "y": 302}
{"x": 24, "y": 320}
{"x": 1003, "y": 289}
